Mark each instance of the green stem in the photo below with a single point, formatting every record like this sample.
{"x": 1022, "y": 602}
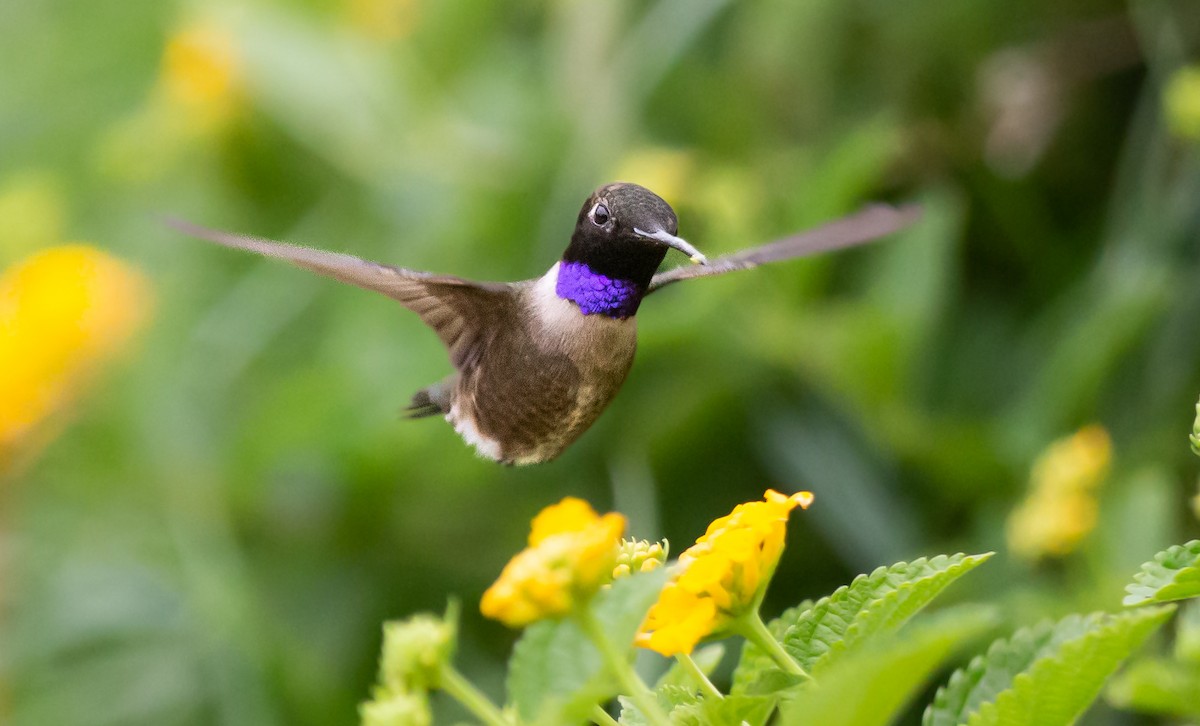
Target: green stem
{"x": 600, "y": 716}
{"x": 621, "y": 669}
{"x": 453, "y": 683}
{"x": 706, "y": 685}
{"x": 751, "y": 627}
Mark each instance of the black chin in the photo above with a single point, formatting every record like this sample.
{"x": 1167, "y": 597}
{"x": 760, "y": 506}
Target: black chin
{"x": 635, "y": 260}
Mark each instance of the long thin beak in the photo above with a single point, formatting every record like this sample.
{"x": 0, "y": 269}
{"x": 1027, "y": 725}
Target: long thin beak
{"x": 677, "y": 242}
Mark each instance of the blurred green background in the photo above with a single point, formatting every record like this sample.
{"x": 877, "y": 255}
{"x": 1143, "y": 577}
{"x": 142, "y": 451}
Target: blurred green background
{"x": 236, "y": 506}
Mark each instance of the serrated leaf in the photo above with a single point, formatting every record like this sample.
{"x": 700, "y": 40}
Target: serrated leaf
{"x": 707, "y": 659}
{"x": 756, "y": 672}
{"x": 687, "y": 706}
{"x": 891, "y": 670}
{"x": 1048, "y": 674}
{"x": 669, "y": 697}
{"x": 691, "y": 709}
{"x": 1156, "y": 686}
{"x": 729, "y": 711}
{"x": 986, "y": 676}
{"x": 1173, "y": 574}
{"x": 771, "y": 681}
{"x": 556, "y": 675}
{"x": 872, "y": 605}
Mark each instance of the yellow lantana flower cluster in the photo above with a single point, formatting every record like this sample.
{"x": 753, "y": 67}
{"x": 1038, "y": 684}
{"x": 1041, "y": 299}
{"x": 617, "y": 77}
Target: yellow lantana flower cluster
{"x": 62, "y": 312}
{"x": 722, "y": 576}
{"x": 1061, "y": 509}
{"x": 200, "y": 73}
{"x": 572, "y": 552}
{"x": 638, "y": 555}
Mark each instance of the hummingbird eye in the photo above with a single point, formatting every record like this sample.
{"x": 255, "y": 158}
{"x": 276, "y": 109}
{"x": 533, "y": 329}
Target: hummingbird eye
{"x": 600, "y": 215}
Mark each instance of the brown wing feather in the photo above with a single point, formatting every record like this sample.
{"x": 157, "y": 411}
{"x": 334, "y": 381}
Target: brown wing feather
{"x": 460, "y": 311}
{"x": 863, "y": 226}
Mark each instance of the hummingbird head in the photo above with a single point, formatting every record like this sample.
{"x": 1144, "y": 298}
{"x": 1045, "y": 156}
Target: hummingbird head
{"x": 624, "y": 231}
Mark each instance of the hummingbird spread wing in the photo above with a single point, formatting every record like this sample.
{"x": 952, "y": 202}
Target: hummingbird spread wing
{"x": 460, "y": 311}
{"x": 866, "y": 225}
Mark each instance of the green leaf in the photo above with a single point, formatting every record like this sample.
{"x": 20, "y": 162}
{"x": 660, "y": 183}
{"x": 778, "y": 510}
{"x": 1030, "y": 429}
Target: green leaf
{"x": 872, "y": 605}
{"x": 892, "y": 670}
{"x": 1048, "y": 674}
{"x": 556, "y": 675}
{"x": 1158, "y": 686}
{"x": 669, "y": 696}
{"x": 756, "y": 672}
{"x": 1173, "y": 574}
{"x": 731, "y": 710}
{"x": 706, "y": 658}
{"x": 687, "y": 708}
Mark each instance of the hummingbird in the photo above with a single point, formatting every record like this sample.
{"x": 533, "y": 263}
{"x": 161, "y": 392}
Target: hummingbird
{"x": 537, "y": 361}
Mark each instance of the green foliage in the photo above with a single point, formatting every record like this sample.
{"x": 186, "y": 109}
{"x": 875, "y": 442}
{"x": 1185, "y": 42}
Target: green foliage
{"x": 1048, "y": 674}
{"x": 1165, "y": 683}
{"x": 556, "y": 673}
{"x": 1173, "y": 574}
{"x": 872, "y": 605}
{"x": 876, "y": 604}
{"x": 755, "y": 671}
{"x": 892, "y": 669}
{"x": 687, "y": 708}
{"x": 707, "y": 658}
{"x": 1155, "y": 685}
{"x": 259, "y": 506}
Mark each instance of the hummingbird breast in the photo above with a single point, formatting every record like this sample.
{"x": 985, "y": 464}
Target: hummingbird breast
{"x": 543, "y": 377}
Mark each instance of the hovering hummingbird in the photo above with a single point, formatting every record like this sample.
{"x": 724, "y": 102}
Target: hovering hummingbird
{"x": 537, "y": 361}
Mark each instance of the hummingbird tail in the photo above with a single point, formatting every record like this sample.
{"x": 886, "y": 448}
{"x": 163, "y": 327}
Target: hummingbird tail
{"x": 415, "y": 410}
{"x": 432, "y": 401}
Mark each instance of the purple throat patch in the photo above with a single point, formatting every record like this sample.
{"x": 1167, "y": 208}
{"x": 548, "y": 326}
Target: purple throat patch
{"x": 596, "y": 293}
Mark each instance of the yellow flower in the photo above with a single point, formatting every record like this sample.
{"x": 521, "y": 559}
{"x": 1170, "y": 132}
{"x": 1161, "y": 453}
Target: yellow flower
{"x": 62, "y": 312}
{"x": 200, "y": 89}
{"x": 666, "y": 172}
{"x": 384, "y": 20}
{"x": 200, "y": 72}
{"x": 1061, "y": 509}
{"x": 638, "y": 555}
{"x": 571, "y": 553}
{"x": 722, "y": 576}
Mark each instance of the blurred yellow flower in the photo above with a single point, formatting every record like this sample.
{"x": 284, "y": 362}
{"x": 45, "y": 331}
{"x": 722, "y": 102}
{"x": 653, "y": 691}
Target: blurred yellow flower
{"x": 571, "y": 553}
{"x": 1060, "y": 509}
{"x": 1182, "y": 101}
{"x": 62, "y": 312}
{"x": 722, "y": 576}
{"x": 199, "y": 72}
{"x": 666, "y": 172}
{"x": 199, "y": 91}
{"x": 382, "y": 19}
